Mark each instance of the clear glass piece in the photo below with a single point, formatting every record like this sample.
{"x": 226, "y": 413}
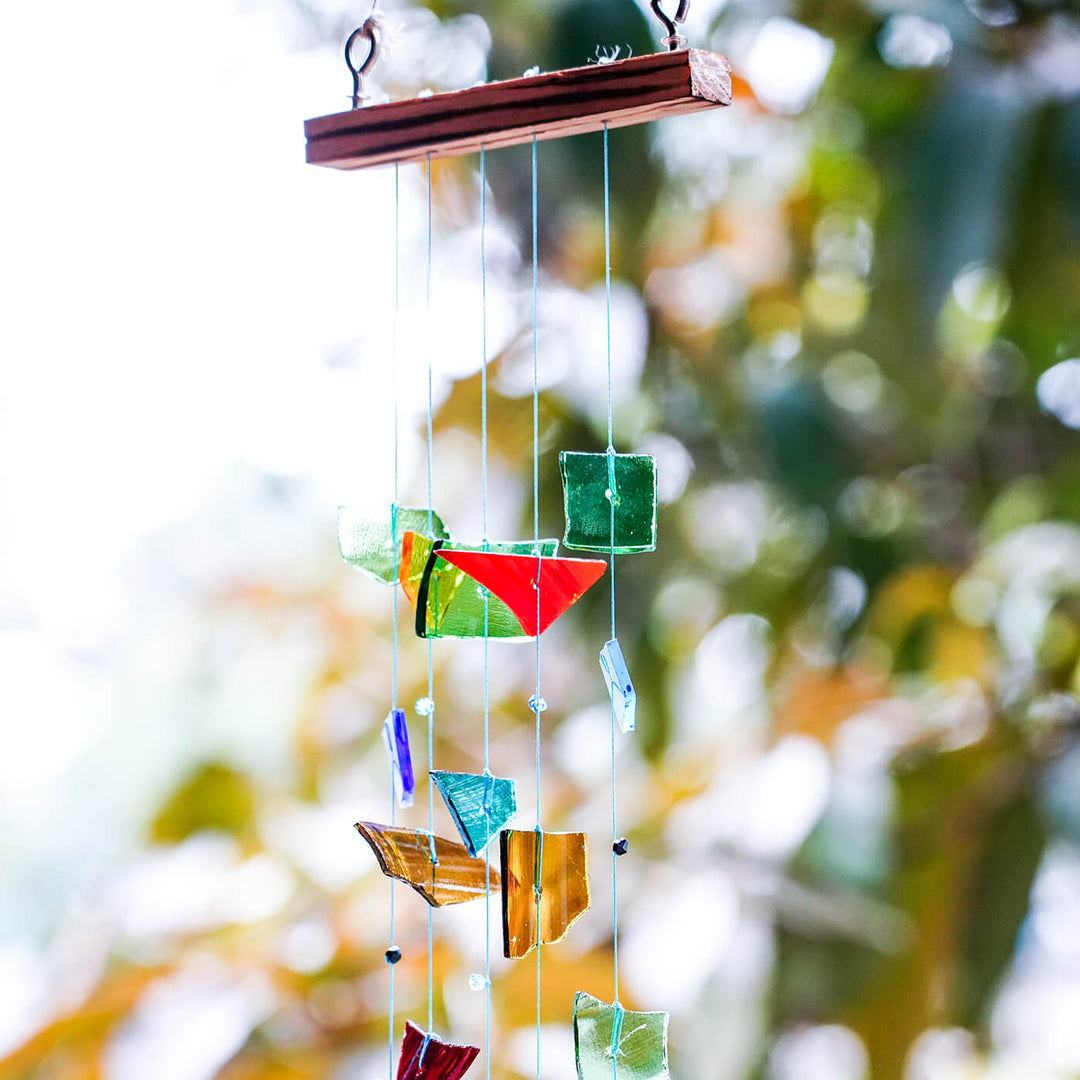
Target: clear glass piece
{"x": 592, "y": 483}
{"x": 372, "y": 544}
{"x": 441, "y": 871}
{"x": 479, "y": 804}
{"x": 516, "y": 579}
{"x": 395, "y": 736}
{"x": 545, "y": 887}
{"x": 537, "y": 703}
{"x": 619, "y": 685}
{"x": 425, "y": 1056}
{"x": 613, "y": 1043}
{"x": 449, "y": 603}
{"x": 424, "y": 706}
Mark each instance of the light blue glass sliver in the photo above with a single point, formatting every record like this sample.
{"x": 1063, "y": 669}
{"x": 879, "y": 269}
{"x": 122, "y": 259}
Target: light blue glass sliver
{"x": 619, "y": 684}
{"x": 612, "y": 1043}
{"x": 479, "y": 804}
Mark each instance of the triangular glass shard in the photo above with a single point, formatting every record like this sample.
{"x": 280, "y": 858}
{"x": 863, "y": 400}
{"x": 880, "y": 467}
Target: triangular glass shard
{"x": 621, "y": 689}
{"x": 441, "y": 871}
{"x": 513, "y": 579}
{"x": 425, "y": 1056}
{"x": 371, "y": 544}
{"x": 591, "y": 482}
{"x": 479, "y": 804}
{"x": 545, "y": 887}
{"x": 395, "y": 736}
{"x": 448, "y": 602}
{"x": 612, "y": 1043}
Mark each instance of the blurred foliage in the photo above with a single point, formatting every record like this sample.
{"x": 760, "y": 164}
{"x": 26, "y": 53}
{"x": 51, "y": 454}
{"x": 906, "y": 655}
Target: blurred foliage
{"x": 849, "y": 308}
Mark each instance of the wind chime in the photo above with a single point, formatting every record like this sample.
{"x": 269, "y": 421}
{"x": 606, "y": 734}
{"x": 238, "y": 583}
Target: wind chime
{"x": 506, "y": 591}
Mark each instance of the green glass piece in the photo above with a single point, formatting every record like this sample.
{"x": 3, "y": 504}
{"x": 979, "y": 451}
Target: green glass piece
{"x": 372, "y": 544}
{"x": 479, "y": 804}
{"x": 453, "y": 602}
{"x": 612, "y": 1043}
{"x": 588, "y": 480}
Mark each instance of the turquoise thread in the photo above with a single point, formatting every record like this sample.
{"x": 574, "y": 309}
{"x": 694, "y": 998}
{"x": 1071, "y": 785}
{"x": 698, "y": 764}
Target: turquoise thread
{"x": 430, "y": 668}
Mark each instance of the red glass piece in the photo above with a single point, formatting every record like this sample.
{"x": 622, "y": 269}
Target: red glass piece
{"x": 512, "y": 578}
{"x": 427, "y": 1057}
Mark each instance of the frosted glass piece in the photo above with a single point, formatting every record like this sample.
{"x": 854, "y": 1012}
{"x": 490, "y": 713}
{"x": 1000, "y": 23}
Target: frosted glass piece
{"x": 480, "y": 805}
{"x": 441, "y": 871}
{"x": 371, "y": 544}
{"x": 619, "y": 685}
{"x": 424, "y": 1056}
{"x": 395, "y": 736}
{"x": 545, "y": 887}
{"x": 591, "y": 484}
{"x": 613, "y": 1043}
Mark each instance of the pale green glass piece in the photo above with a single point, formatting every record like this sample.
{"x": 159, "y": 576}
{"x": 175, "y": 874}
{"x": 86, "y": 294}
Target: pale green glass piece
{"x": 373, "y": 544}
{"x": 453, "y": 602}
{"x": 612, "y": 1043}
{"x": 590, "y": 483}
{"x": 479, "y": 804}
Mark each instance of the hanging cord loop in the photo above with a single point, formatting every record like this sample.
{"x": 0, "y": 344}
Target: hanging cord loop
{"x": 368, "y": 30}
{"x": 674, "y": 40}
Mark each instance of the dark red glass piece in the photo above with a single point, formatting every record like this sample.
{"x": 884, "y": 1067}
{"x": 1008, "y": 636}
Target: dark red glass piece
{"x": 427, "y": 1057}
{"x": 512, "y": 578}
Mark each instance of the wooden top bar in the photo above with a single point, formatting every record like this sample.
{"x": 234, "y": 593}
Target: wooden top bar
{"x": 551, "y": 105}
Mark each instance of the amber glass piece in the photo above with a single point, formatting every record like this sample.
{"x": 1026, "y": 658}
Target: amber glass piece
{"x": 613, "y": 1043}
{"x": 441, "y": 871}
{"x": 425, "y": 1056}
{"x": 545, "y": 887}
{"x": 448, "y": 602}
{"x": 591, "y": 482}
{"x": 513, "y": 579}
{"x": 370, "y": 543}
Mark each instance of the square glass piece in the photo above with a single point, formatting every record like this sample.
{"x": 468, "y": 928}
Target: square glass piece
{"x": 425, "y": 1056}
{"x": 612, "y": 1043}
{"x": 479, "y": 804}
{"x": 448, "y": 602}
{"x": 619, "y": 685}
{"x": 395, "y": 736}
{"x": 591, "y": 482}
{"x": 441, "y": 871}
{"x": 545, "y": 887}
{"x": 372, "y": 544}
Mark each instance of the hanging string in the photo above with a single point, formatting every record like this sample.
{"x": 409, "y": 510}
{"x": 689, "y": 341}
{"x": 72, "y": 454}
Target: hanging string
{"x": 430, "y": 668}
{"x": 537, "y": 699}
{"x": 397, "y": 557}
{"x": 483, "y": 503}
{"x": 611, "y": 488}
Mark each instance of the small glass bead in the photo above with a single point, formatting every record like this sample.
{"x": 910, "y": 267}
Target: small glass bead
{"x": 537, "y": 703}
{"x": 393, "y": 956}
{"x": 477, "y": 981}
{"x": 424, "y": 706}
{"x": 621, "y": 846}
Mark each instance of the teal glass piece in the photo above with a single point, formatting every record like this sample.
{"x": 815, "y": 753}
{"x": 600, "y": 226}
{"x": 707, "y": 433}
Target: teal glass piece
{"x": 374, "y": 544}
{"x": 450, "y": 603}
{"x": 591, "y": 483}
{"x": 479, "y": 804}
{"x": 619, "y": 685}
{"x": 612, "y": 1043}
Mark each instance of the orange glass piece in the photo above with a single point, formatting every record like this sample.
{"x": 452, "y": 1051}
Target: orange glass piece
{"x": 545, "y": 887}
{"x": 415, "y": 552}
{"x": 426, "y": 1057}
{"x": 513, "y": 579}
{"x": 441, "y": 871}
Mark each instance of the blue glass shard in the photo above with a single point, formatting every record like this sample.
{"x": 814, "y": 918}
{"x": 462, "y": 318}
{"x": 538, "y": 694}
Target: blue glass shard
{"x": 395, "y": 736}
{"x": 619, "y": 685}
{"x": 479, "y": 804}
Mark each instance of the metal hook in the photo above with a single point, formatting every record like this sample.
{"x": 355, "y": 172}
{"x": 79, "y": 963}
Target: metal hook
{"x": 673, "y": 40}
{"x": 368, "y": 29}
